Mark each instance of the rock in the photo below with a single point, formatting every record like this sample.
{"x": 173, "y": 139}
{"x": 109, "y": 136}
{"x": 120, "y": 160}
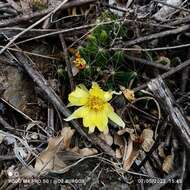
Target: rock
{"x": 19, "y": 89}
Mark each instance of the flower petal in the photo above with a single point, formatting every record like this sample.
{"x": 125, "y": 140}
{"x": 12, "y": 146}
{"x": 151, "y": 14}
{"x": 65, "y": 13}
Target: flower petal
{"x": 96, "y": 91}
{"x": 114, "y": 117}
{"x": 102, "y": 122}
{"x": 91, "y": 129}
{"x": 79, "y": 113}
{"x": 96, "y": 119}
{"x": 83, "y": 87}
{"x": 78, "y": 97}
{"x": 107, "y": 96}
{"x": 89, "y": 119}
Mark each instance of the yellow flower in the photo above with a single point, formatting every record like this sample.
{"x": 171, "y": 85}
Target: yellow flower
{"x": 95, "y": 109}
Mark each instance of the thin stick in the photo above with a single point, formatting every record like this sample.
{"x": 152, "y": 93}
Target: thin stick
{"x": 64, "y": 31}
{"x": 69, "y": 69}
{"x": 157, "y": 35}
{"x": 32, "y": 26}
{"x": 148, "y": 63}
{"x": 152, "y": 49}
{"x": 33, "y": 54}
{"x": 89, "y": 26}
{"x": 167, "y": 74}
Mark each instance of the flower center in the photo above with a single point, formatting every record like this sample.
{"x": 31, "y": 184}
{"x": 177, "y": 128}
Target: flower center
{"x": 95, "y": 103}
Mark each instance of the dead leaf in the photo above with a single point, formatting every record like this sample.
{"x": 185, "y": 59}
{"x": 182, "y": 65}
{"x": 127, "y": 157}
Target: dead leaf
{"x": 118, "y": 140}
{"x": 129, "y": 94}
{"x": 125, "y": 130}
{"x": 45, "y": 161}
{"x": 107, "y": 138}
{"x": 67, "y": 134}
{"x": 148, "y": 142}
{"x": 58, "y": 164}
{"x": 48, "y": 159}
{"x": 84, "y": 151}
{"x": 134, "y": 137}
{"x": 68, "y": 155}
{"x": 75, "y": 149}
{"x": 118, "y": 153}
{"x": 87, "y": 151}
{"x": 75, "y": 70}
{"x": 131, "y": 155}
{"x": 168, "y": 163}
{"x": 54, "y": 143}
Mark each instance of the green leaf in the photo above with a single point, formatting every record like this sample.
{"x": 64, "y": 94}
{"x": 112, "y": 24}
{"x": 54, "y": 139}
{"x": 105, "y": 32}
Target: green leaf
{"x": 92, "y": 39}
{"x": 118, "y": 57}
{"x": 102, "y": 57}
{"x": 103, "y": 37}
{"x": 92, "y": 47}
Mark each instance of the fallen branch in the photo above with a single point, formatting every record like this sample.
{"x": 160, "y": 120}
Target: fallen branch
{"x": 166, "y": 99}
{"x": 157, "y": 35}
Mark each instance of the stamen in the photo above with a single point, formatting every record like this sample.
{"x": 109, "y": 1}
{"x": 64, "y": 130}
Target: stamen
{"x": 95, "y": 103}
